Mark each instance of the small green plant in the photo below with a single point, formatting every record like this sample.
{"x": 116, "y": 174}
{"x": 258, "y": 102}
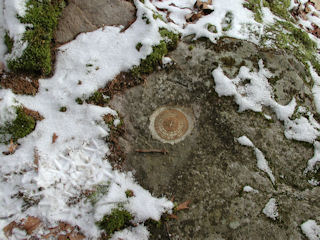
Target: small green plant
{"x": 139, "y": 46}
{"x": 8, "y": 42}
{"x": 212, "y": 28}
{"x": 63, "y": 109}
{"x": 117, "y": 220}
{"x": 20, "y": 127}
{"x": 97, "y": 98}
{"x": 145, "y": 18}
{"x": 169, "y": 42}
{"x": 227, "y": 21}
{"x": 79, "y": 101}
{"x": 42, "y": 19}
{"x": 156, "y": 16}
{"x": 190, "y": 47}
{"x": 99, "y": 191}
{"x": 129, "y": 193}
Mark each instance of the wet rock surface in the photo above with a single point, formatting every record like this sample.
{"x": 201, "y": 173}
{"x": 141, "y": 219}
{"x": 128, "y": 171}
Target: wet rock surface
{"x": 86, "y": 16}
{"x": 209, "y": 167}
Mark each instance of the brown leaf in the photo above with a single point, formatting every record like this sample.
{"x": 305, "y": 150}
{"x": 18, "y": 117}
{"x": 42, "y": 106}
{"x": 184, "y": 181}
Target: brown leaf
{"x": 54, "y": 138}
{"x": 183, "y": 205}
{"x": 172, "y": 216}
{"x": 8, "y": 229}
{"x": 12, "y": 148}
{"x": 31, "y": 224}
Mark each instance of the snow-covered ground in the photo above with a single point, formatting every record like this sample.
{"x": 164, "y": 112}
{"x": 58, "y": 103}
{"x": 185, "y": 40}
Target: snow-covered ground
{"x": 77, "y": 160}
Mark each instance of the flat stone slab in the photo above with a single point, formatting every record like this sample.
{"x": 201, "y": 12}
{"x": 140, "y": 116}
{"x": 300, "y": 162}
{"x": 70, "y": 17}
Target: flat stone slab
{"x": 209, "y": 167}
{"x": 86, "y": 16}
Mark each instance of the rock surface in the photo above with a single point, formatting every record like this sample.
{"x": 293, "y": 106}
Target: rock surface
{"x": 85, "y": 16}
{"x": 210, "y": 167}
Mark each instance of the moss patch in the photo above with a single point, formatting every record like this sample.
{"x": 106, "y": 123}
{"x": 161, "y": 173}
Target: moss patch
{"x": 169, "y": 42}
{"x": 97, "y": 98}
{"x": 18, "y": 128}
{"x": 117, "y": 220}
{"x": 42, "y": 19}
{"x": 293, "y": 40}
{"x": 8, "y": 41}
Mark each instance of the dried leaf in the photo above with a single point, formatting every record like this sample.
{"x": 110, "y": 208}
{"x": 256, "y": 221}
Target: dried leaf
{"x": 8, "y": 229}
{"x": 183, "y": 205}
{"x": 12, "y": 148}
{"x": 172, "y": 216}
{"x": 31, "y": 224}
{"x": 54, "y": 138}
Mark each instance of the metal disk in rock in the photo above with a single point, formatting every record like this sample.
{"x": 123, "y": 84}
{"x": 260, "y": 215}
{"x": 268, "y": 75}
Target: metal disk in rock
{"x": 86, "y": 16}
{"x": 170, "y": 124}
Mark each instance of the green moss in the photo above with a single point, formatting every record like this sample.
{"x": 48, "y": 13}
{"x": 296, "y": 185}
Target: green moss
{"x": 255, "y": 7}
{"x": 190, "y": 47}
{"x": 63, "y": 109}
{"x": 156, "y": 16}
{"x": 145, "y": 18}
{"x": 227, "y": 21}
{"x": 118, "y": 219}
{"x": 8, "y": 42}
{"x": 169, "y": 42}
{"x": 293, "y": 40}
{"x": 18, "y": 128}
{"x": 97, "y": 98}
{"x": 42, "y": 19}
{"x": 212, "y": 28}
{"x": 99, "y": 191}
{"x": 89, "y": 65}
{"x": 139, "y": 46}
{"x": 79, "y": 101}
{"x": 279, "y": 8}
{"x": 129, "y": 193}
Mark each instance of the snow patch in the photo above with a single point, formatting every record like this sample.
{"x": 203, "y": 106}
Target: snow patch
{"x": 311, "y": 229}
{"x": 271, "y": 209}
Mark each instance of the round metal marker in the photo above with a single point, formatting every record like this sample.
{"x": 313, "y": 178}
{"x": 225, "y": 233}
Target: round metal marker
{"x": 170, "y": 124}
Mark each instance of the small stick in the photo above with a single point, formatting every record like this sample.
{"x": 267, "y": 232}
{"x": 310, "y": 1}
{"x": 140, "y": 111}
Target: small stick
{"x": 163, "y": 151}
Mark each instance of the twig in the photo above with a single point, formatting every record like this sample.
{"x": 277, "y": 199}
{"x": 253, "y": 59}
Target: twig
{"x": 163, "y": 151}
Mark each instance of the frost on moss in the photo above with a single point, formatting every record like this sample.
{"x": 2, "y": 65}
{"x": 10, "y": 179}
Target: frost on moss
{"x": 168, "y": 43}
{"x": 117, "y": 220}
{"x": 20, "y": 127}
{"x": 41, "y": 18}
{"x": 293, "y": 40}
{"x": 8, "y": 41}
{"x": 277, "y": 7}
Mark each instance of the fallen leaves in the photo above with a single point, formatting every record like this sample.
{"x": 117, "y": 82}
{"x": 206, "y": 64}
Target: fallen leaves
{"x": 32, "y": 224}
{"x": 182, "y": 206}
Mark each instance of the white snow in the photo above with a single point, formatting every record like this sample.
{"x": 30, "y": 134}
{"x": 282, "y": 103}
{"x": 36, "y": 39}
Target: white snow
{"x": 311, "y": 229}
{"x": 7, "y": 107}
{"x": 249, "y": 189}
{"x": 262, "y": 163}
{"x": 271, "y": 209}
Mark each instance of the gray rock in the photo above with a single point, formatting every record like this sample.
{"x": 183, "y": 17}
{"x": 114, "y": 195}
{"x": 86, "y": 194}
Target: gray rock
{"x": 209, "y": 167}
{"x": 86, "y": 16}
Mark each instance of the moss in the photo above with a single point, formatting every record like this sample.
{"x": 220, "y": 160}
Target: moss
{"x": 79, "y": 101}
{"x": 169, "y": 42}
{"x": 279, "y": 8}
{"x": 190, "y": 47}
{"x": 139, "y": 46}
{"x": 227, "y": 21}
{"x": 145, "y": 18}
{"x": 97, "y": 98}
{"x": 42, "y": 19}
{"x": 89, "y": 65}
{"x": 212, "y": 28}
{"x": 294, "y": 41}
{"x": 129, "y": 193}
{"x": 156, "y": 16}
{"x": 8, "y": 42}
{"x": 254, "y": 6}
{"x": 99, "y": 191}
{"x": 118, "y": 219}
{"x": 18, "y": 128}
{"x": 63, "y": 109}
